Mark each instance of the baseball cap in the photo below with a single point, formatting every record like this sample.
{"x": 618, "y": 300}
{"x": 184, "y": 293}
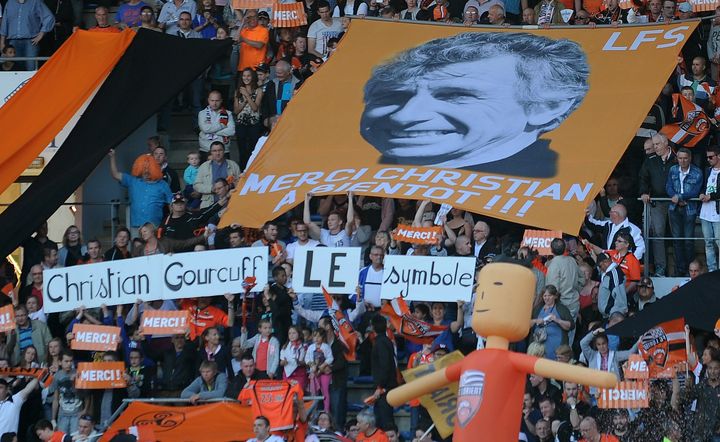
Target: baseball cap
{"x": 685, "y": 7}
{"x": 263, "y": 14}
{"x": 263, "y": 67}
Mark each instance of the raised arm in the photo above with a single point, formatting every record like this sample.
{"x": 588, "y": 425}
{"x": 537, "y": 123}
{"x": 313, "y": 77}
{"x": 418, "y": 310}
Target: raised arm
{"x": 312, "y": 227}
{"x": 113, "y": 166}
{"x": 349, "y": 220}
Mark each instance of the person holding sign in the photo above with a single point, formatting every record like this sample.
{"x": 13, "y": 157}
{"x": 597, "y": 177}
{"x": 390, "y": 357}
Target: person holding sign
{"x": 492, "y": 380}
{"x": 335, "y": 235}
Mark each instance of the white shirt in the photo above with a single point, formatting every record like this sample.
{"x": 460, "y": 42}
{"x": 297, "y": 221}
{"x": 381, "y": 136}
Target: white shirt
{"x": 373, "y": 281}
{"x": 294, "y": 247}
{"x": 272, "y": 438}
{"x": 708, "y": 211}
{"x": 478, "y": 246}
{"x": 10, "y": 413}
{"x": 340, "y": 239}
{"x": 322, "y": 33}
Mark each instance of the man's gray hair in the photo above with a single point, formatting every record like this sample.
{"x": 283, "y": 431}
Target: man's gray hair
{"x": 549, "y": 71}
{"x": 366, "y": 416}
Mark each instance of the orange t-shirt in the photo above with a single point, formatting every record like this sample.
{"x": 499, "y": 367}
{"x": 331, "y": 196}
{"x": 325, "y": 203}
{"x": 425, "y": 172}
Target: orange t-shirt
{"x": 200, "y": 319}
{"x": 377, "y": 436}
{"x": 58, "y": 436}
{"x": 274, "y": 400}
{"x": 629, "y": 265}
{"x": 110, "y": 29}
{"x": 593, "y": 7}
{"x": 490, "y": 393}
{"x": 250, "y": 56}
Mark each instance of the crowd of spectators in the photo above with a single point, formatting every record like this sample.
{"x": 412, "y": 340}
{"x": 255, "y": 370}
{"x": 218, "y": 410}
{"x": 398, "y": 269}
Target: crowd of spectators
{"x": 589, "y": 282}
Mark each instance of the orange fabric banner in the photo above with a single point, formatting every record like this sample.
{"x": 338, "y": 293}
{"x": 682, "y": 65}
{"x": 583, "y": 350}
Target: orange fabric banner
{"x": 695, "y": 124}
{"x": 417, "y": 235}
{"x": 100, "y": 375}
{"x": 67, "y": 81}
{"x": 411, "y": 328}
{"x": 252, "y": 4}
{"x": 343, "y": 328}
{"x": 42, "y": 374}
{"x": 220, "y": 422}
{"x": 626, "y": 394}
{"x": 540, "y": 240}
{"x": 503, "y": 141}
{"x": 160, "y": 322}
{"x": 662, "y": 347}
{"x": 7, "y": 318}
{"x": 289, "y": 15}
{"x": 95, "y": 337}
{"x": 636, "y": 368}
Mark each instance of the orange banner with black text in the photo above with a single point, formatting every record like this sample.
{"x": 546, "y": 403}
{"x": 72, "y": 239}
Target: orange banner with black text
{"x": 499, "y": 122}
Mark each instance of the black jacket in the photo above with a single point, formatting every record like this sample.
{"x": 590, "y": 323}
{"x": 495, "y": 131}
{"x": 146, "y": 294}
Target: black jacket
{"x": 179, "y": 368}
{"x": 184, "y": 227}
{"x": 339, "y": 365}
{"x": 653, "y": 175}
{"x": 384, "y": 369}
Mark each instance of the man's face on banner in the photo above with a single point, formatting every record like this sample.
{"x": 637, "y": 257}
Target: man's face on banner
{"x": 448, "y": 112}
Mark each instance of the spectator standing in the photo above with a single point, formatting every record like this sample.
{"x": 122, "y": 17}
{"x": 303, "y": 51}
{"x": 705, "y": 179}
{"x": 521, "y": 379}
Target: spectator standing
{"x": 265, "y": 348}
{"x": 710, "y": 209}
{"x": 129, "y": 14}
{"x": 216, "y": 125}
{"x": 207, "y": 21}
{"x": 215, "y": 168}
{"x": 608, "y": 229}
{"x": 555, "y": 318}
{"x": 103, "y": 21}
{"x": 159, "y": 153}
{"x": 27, "y": 332}
{"x": 384, "y": 370}
{"x": 303, "y": 242}
{"x": 254, "y": 40}
{"x": 120, "y": 248}
{"x": 339, "y": 371}
{"x": 147, "y": 191}
{"x": 590, "y": 432}
{"x": 248, "y": 100}
{"x": 276, "y": 248}
{"x": 67, "y": 404}
{"x": 318, "y": 359}
{"x": 10, "y": 405}
{"x": 335, "y": 235}
{"x": 685, "y": 180}
{"x": 170, "y": 14}
{"x": 653, "y": 178}
{"x": 564, "y": 274}
{"x": 280, "y": 90}
{"x": 612, "y": 296}
{"x": 24, "y": 24}
{"x": 323, "y": 30}
{"x": 73, "y": 249}
{"x": 599, "y": 356}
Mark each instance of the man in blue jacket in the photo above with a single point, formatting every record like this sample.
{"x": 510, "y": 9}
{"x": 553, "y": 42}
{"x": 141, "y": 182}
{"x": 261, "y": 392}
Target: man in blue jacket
{"x": 684, "y": 182}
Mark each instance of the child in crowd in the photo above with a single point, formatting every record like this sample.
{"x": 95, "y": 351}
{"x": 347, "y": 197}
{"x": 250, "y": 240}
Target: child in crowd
{"x": 190, "y": 174}
{"x": 8, "y": 52}
{"x": 266, "y": 348}
{"x": 319, "y": 358}
{"x": 292, "y": 358}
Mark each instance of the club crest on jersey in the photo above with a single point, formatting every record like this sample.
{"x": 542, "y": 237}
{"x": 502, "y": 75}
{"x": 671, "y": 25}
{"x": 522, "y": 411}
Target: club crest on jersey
{"x": 470, "y": 392}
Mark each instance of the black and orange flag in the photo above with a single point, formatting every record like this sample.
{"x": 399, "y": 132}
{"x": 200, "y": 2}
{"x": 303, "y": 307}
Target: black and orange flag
{"x": 693, "y": 128}
{"x": 343, "y": 328}
{"x": 103, "y": 87}
{"x": 407, "y": 325}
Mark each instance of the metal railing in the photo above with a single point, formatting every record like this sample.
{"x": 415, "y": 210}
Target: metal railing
{"x": 35, "y": 61}
{"x": 646, "y": 230}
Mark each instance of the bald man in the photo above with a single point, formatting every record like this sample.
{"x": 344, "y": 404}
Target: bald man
{"x": 483, "y": 245}
{"x": 608, "y": 229}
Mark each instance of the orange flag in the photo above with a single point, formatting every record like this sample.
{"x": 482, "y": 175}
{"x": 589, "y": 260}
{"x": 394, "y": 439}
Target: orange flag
{"x": 343, "y": 329}
{"x": 662, "y": 347}
{"x": 407, "y": 325}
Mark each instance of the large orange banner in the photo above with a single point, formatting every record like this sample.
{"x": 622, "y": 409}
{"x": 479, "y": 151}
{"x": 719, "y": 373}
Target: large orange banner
{"x": 221, "y": 422}
{"x": 508, "y": 123}
{"x": 95, "y": 337}
{"x": 100, "y": 375}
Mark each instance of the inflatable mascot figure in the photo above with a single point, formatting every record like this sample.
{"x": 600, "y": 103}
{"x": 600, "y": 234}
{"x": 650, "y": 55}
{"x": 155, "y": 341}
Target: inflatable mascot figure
{"x": 492, "y": 380}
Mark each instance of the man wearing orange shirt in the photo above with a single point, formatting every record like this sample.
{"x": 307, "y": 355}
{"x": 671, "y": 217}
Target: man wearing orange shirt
{"x": 253, "y": 41}
{"x": 368, "y": 432}
{"x": 103, "y": 24}
{"x": 44, "y": 431}
{"x": 204, "y": 315}
{"x": 590, "y": 432}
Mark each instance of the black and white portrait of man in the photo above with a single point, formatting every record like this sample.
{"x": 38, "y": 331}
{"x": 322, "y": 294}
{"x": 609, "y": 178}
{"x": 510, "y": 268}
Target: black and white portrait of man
{"x": 475, "y": 101}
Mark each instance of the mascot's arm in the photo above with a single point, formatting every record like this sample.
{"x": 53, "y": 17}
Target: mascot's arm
{"x": 418, "y": 387}
{"x": 572, "y": 373}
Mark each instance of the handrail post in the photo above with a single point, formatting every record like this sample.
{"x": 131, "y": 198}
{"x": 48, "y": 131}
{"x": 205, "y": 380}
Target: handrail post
{"x": 646, "y": 234}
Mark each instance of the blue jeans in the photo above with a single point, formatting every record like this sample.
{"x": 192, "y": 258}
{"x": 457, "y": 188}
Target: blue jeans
{"x": 711, "y": 233}
{"x": 25, "y": 48}
{"x": 682, "y": 225}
